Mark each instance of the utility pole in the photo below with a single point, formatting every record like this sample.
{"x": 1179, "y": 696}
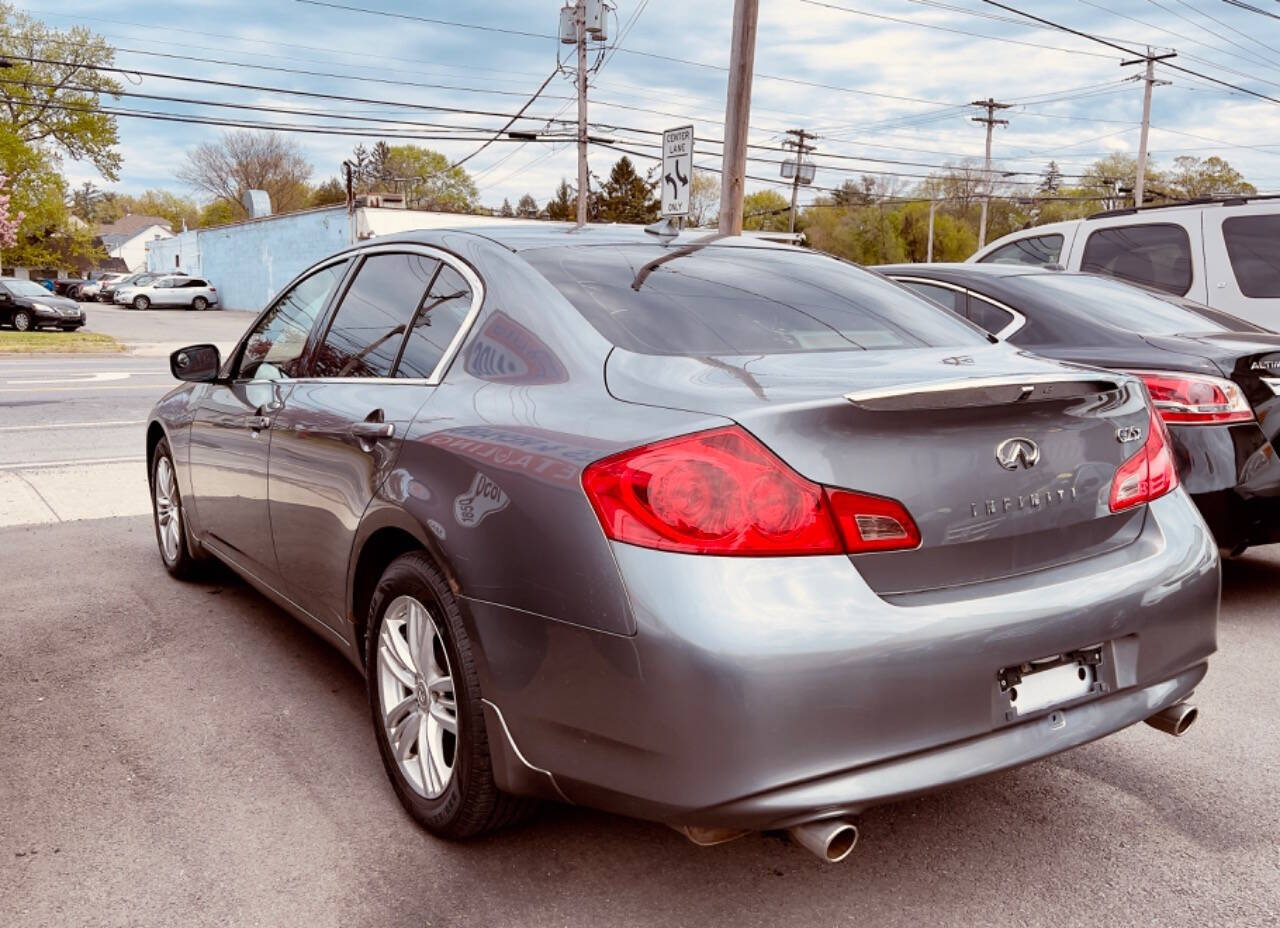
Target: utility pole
{"x": 990, "y": 105}
{"x": 737, "y": 111}
{"x": 933, "y": 208}
{"x": 580, "y": 27}
{"x": 797, "y": 141}
{"x": 1148, "y": 81}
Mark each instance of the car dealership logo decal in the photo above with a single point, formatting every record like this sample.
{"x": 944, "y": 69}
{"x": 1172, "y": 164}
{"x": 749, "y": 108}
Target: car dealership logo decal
{"x": 483, "y": 499}
{"x": 1013, "y": 453}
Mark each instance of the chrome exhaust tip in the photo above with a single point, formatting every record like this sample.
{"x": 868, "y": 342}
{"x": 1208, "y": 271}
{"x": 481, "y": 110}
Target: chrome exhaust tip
{"x": 831, "y": 839}
{"x": 1176, "y": 719}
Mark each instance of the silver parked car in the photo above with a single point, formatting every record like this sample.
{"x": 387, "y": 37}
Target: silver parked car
{"x": 730, "y": 536}
{"x": 173, "y": 290}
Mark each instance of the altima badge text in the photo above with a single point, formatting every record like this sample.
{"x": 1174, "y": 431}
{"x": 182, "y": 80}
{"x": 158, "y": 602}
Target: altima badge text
{"x": 1013, "y": 453}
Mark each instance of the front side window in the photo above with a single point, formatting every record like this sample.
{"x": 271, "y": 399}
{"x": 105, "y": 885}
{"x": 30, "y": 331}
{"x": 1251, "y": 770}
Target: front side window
{"x": 1036, "y": 250}
{"x": 1156, "y": 255}
{"x": 274, "y": 349}
{"x": 1253, "y": 246}
{"x": 731, "y": 300}
{"x": 369, "y": 328}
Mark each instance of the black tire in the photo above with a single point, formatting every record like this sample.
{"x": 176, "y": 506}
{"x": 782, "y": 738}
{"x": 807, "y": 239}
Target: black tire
{"x": 73, "y": 293}
{"x": 471, "y": 802}
{"x": 200, "y": 303}
{"x": 141, "y": 302}
{"x": 22, "y": 321}
{"x": 183, "y": 564}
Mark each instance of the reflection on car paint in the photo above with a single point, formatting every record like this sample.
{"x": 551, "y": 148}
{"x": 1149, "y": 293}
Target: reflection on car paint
{"x": 548, "y": 457}
{"x": 504, "y": 351}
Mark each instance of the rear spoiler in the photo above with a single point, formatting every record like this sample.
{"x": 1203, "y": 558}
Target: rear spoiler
{"x": 960, "y": 392}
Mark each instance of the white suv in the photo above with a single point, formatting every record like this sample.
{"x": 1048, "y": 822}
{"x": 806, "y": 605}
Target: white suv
{"x": 1225, "y": 254}
{"x": 192, "y": 292}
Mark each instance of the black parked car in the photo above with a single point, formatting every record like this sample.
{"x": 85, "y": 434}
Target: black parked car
{"x": 1214, "y": 377}
{"x": 27, "y": 306}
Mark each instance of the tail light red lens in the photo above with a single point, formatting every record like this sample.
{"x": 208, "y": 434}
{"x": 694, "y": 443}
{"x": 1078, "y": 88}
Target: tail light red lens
{"x": 1149, "y": 474}
{"x": 723, "y": 492}
{"x": 1195, "y": 399}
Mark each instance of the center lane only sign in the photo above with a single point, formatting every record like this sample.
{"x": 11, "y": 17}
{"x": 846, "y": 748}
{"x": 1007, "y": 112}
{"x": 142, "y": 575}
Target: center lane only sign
{"x": 677, "y": 170}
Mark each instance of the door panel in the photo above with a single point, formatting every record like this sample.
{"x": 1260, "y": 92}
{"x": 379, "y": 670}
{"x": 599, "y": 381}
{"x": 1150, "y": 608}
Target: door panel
{"x": 323, "y": 475}
{"x": 230, "y": 446}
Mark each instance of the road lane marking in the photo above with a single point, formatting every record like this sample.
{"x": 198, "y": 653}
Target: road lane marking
{"x": 73, "y": 425}
{"x": 33, "y": 465}
{"x": 95, "y": 377}
{"x": 89, "y": 386}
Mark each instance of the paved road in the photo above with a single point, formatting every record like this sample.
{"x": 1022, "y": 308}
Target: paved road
{"x": 181, "y": 754}
{"x": 71, "y": 428}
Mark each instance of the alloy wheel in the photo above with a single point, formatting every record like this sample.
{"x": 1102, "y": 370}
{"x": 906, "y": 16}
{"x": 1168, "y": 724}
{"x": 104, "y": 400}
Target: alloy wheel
{"x": 168, "y": 513}
{"x": 22, "y": 322}
{"x": 416, "y": 697}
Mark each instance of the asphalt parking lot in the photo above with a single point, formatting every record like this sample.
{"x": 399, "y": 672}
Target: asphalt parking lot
{"x": 187, "y": 754}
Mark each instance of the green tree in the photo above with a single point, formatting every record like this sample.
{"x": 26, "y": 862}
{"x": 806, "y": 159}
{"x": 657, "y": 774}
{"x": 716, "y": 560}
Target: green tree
{"x": 1193, "y": 177}
{"x": 953, "y": 238}
{"x": 58, "y": 106}
{"x": 506, "y": 209}
{"x": 563, "y": 207}
{"x": 1051, "y": 180}
{"x": 765, "y": 210}
{"x": 527, "y": 207}
{"x": 48, "y": 234}
{"x": 628, "y": 197}
{"x": 704, "y": 198}
{"x": 865, "y": 234}
{"x": 176, "y": 209}
{"x": 1119, "y": 172}
{"x": 426, "y": 178}
{"x": 217, "y": 213}
{"x": 330, "y": 193}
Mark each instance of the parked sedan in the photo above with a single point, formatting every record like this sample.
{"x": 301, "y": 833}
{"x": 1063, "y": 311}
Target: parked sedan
{"x": 26, "y": 306}
{"x": 730, "y": 536}
{"x": 89, "y": 291}
{"x": 188, "y": 292}
{"x": 1214, "y": 378}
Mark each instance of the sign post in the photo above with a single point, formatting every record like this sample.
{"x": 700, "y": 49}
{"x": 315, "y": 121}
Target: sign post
{"x": 677, "y": 171}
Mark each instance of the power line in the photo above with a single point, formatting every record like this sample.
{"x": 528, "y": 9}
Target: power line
{"x": 1251, "y": 8}
{"x": 510, "y": 122}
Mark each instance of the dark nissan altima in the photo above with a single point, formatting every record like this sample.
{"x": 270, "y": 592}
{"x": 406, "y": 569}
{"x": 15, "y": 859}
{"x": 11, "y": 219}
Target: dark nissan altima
{"x": 726, "y": 535}
{"x": 1214, "y": 377}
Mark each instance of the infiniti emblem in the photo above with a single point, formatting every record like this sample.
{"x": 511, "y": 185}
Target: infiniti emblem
{"x": 1013, "y": 453}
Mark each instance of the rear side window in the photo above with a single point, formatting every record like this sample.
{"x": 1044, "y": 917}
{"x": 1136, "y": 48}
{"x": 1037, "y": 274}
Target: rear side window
{"x": 1036, "y": 250}
{"x": 194, "y": 282}
{"x": 951, "y": 299}
{"x": 1253, "y": 245}
{"x": 369, "y": 328}
{"x": 988, "y": 315}
{"x": 732, "y": 300}
{"x": 1156, "y": 255}
{"x": 438, "y": 321}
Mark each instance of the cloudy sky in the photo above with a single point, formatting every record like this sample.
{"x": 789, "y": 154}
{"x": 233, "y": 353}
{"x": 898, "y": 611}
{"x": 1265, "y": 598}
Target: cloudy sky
{"x": 886, "y": 81}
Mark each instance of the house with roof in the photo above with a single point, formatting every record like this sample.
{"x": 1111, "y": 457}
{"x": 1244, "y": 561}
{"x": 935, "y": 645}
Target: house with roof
{"x": 127, "y": 238}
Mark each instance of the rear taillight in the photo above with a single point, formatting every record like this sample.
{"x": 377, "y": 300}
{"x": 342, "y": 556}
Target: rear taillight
{"x": 723, "y": 492}
{"x": 1147, "y": 475}
{"x": 1195, "y": 399}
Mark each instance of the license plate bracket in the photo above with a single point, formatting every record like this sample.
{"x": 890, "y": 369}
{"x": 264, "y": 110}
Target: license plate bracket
{"x": 1039, "y": 685}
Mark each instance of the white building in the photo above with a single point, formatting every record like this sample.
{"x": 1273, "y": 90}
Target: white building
{"x": 127, "y": 238}
{"x": 249, "y": 262}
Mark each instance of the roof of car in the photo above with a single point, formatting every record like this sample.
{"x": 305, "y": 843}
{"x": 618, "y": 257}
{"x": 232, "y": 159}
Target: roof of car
{"x": 526, "y": 236}
{"x": 943, "y": 270}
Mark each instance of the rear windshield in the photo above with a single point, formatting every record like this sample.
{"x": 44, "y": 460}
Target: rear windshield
{"x": 740, "y": 300}
{"x": 1124, "y": 306}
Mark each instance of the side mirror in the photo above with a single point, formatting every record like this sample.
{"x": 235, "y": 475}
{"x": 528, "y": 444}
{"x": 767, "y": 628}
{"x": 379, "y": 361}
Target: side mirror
{"x": 196, "y": 363}
{"x": 4, "y": 297}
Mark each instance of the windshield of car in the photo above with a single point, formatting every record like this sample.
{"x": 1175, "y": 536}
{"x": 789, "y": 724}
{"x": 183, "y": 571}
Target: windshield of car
{"x": 735, "y": 300}
{"x": 26, "y": 288}
{"x": 1123, "y": 306}
{"x": 141, "y": 280}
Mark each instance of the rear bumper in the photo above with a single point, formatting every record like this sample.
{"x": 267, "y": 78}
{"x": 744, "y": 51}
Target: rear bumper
{"x": 1233, "y": 474}
{"x": 762, "y": 692}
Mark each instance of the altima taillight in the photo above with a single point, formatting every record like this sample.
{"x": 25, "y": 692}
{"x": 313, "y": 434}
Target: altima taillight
{"x": 1195, "y": 399}
{"x": 723, "y": 492}
{"x": 1149, "y": 474}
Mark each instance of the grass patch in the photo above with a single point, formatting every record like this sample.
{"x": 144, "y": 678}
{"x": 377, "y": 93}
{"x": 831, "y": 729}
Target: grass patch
{"x": 56, "y": 342}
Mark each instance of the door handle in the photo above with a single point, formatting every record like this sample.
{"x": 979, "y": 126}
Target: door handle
{"x": 372, "y": 431}
{"x": 257, "y": 423}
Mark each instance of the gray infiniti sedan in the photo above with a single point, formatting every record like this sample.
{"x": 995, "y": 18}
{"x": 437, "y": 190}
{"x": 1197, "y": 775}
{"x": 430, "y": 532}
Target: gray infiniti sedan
{"x": 728, "y": 535}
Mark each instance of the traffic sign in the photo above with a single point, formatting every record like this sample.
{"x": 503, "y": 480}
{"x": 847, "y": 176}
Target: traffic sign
{"x": 677, "y": 170}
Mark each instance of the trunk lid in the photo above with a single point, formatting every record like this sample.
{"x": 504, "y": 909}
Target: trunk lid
{"x": 924, "y": 427}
